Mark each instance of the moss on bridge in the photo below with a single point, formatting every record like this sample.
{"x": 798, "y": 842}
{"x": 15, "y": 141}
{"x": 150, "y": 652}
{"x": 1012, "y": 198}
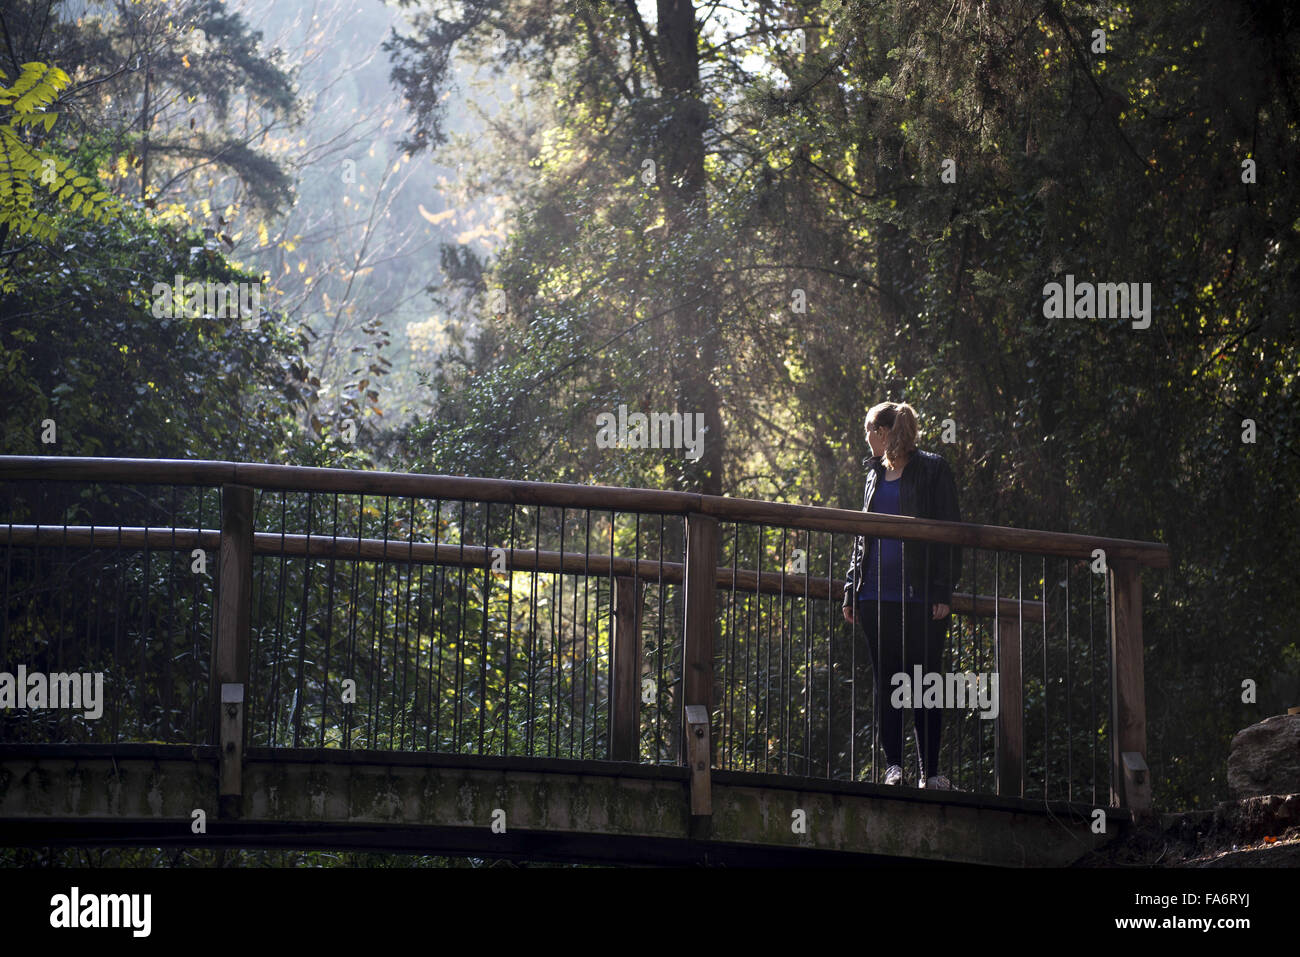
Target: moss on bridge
{"x": 493, "y": 798}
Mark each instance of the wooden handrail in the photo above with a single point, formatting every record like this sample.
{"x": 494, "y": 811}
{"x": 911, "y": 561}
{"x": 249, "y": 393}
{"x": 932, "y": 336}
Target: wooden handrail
{"x": 647, "y": 570}
{"x": 600, "y": 497}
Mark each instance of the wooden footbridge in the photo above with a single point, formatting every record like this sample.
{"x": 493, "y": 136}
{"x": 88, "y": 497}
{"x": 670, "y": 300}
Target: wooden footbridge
{"x": 323, "y": 658}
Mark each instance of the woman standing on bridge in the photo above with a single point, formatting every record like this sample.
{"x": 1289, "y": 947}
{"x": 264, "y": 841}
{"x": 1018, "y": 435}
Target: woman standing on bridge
{"x": 894, "y": 589}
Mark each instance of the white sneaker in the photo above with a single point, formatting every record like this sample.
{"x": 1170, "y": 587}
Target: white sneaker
{"x": 894, "y": 774}
{"x": 938, "y": 783}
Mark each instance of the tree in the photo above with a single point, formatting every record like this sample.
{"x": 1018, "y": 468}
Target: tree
{"x": 24, "y": 166}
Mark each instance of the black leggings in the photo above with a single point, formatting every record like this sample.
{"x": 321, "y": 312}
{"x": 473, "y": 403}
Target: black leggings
{"x": 888, "y": 656}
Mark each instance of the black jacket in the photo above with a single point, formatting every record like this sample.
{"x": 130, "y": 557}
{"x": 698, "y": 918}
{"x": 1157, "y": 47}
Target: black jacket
{"x": 927, "y": 491}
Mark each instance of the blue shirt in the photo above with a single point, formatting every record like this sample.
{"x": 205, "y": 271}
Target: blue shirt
{"x": 885, "y": 557}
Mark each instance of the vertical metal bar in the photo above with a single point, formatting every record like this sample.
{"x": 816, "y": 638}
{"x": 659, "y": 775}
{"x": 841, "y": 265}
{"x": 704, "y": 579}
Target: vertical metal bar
{"x": 1092, "y": 686}
{"x": 532, "y": 632}
{"x": 638, "y": 588}
{"x": 559, "y": 649}
{"x": 406, "y": 631}
{"x": 594, "y": 656}
{"x": 728, "y": 735}
{"x": 948, "y": 658}
{"x": 830, "y": 648}
{"x": 117, "y": 639}
{"x": 436, "y": 636}
{"x": 483, "y": 634}
{"x": 460, "y": 635}
{"x": 381, "y": 623}
{"x": 612, "y": 624}
{"x": 60, "y": 719}
{"x": 760, "y": 678}
{"x": 1010, "y": 721}
{"x": 510, "y": 621}
{"x": 659, "y": 651}
{"x": 807, "y": 652}
{"x": 90, "y": 641}
{"x": 1047, "y": 711}
{"x": 926, "y": 616}
{"x": 783, "y": 690}
{"x": 329, "y": 628}
{"x": 419, "y": 643}
{"x": 553, "y": 666}
{"x": 273, "y": 697}
{"x": 1069, "y": 725}
{"x": 975, "y": 634}
{"x": 142, "y": 707}
{"x": 167, "y": 682}
{"x": 300, "y": 689}
{"x": 352, "y": 622}
{"x": 194, "y": 736}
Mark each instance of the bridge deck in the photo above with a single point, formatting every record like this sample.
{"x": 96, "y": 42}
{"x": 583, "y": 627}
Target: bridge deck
{"x": 596, "y": 811}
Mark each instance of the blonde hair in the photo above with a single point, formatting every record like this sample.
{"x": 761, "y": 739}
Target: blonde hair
{"x": 901, "y": 418}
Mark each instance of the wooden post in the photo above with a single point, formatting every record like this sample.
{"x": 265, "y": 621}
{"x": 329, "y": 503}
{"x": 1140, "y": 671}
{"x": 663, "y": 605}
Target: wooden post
{"x": 1130, "y": 779}
{"x": 697, "y": 757}
{"x": 625, "y": 708}
{"x": 701, "y": 620}
{"x": 1011, "y": 712}
{"x": 701, "y": 623}
{"x": 230, "y": 651}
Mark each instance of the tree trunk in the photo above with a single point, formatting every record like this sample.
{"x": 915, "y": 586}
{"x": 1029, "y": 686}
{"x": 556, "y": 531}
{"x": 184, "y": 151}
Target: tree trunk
{"x": 682, "y": 181}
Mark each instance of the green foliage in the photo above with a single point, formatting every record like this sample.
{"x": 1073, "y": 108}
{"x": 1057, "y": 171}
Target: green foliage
{"x": 824, "y": 176}
{"x": 24, "y": 166}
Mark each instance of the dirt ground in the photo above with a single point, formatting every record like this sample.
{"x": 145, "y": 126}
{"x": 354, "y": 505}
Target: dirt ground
{"x": 1251, "y": 832}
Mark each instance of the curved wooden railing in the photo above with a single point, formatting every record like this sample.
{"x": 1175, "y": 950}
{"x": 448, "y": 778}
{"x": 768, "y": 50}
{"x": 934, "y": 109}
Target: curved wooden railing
{"x": 703, "y": 576}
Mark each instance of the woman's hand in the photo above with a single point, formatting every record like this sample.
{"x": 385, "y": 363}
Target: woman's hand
{"x": 941, "y": 611}
{"x": 848, "y": 614}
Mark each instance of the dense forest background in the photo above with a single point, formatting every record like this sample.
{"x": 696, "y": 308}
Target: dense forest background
{"x": 773, "y": 213}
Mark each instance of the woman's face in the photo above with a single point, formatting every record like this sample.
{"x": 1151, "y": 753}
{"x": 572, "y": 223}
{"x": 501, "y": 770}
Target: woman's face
{"x": 877, "y": 438}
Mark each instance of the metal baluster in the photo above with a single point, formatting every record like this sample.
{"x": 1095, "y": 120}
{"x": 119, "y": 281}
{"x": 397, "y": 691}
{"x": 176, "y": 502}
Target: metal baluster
{"x": 1092, "y": 685}
{"x": 352, "y": 621}
{"x": 1047, "y": 713}
{"x": 299, "y": 690}
{"x": 830, "y": 649}
{"x": 483, "y": 634}
{"x": 510, "y": 621}
{"x": 459, "y": 690}
{"x": 559, "y": 651}
{"x": 329, "y": 626}
{"x": 406, "y": 630}
{"x": 659, "y": 650}
{"x": 807, "y": 653}
{"x": 728, "y": 758}
{"x": 1069, "y": 726}
{"x": 532, "y": 631}
{"x": 436, "y": 636}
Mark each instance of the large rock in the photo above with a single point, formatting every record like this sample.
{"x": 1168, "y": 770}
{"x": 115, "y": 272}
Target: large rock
{"x": 1265, "y": 758}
